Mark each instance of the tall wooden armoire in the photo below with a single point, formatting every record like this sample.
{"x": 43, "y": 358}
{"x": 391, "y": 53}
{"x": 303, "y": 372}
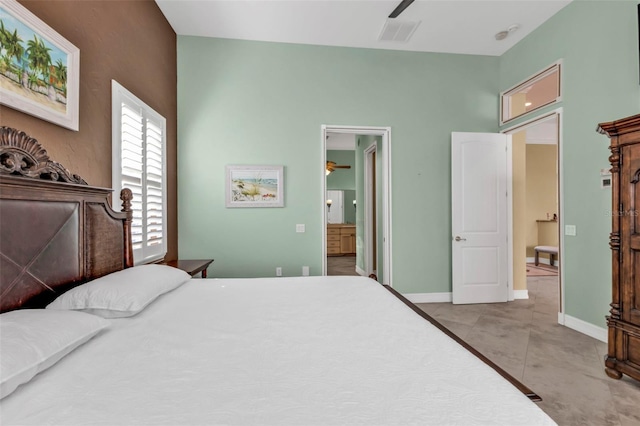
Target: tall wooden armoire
{"x": 624, "y": 320}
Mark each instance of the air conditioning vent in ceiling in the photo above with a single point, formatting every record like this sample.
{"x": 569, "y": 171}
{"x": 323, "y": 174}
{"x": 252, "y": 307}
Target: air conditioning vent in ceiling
{"x": 397, "y": 30}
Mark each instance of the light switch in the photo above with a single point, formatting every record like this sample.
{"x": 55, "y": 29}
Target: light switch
{"x": 570, "y": 230}
{"x": 300, "y": 227}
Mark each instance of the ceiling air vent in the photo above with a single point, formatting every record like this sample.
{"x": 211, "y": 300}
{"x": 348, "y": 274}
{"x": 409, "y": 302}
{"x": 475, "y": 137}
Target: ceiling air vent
{"x": 396, "y": 30}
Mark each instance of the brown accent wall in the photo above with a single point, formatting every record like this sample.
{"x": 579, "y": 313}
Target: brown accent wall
{"x": 130, "y": 42}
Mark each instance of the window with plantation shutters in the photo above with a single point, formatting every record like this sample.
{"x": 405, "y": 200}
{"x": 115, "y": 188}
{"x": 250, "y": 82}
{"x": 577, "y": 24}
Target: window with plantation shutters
{"x": 139, "y": 164}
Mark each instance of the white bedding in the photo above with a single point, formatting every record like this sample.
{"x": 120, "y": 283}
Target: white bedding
{"x": 276, "y": 351}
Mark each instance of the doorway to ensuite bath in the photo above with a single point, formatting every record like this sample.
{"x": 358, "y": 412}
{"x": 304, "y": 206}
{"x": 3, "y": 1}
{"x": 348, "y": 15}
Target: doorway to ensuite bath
{"x": 356, "y": 197}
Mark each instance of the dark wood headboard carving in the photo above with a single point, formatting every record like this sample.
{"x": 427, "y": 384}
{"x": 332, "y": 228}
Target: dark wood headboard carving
{"x": 54, "y": 235}
{"x": 22, "y": 155}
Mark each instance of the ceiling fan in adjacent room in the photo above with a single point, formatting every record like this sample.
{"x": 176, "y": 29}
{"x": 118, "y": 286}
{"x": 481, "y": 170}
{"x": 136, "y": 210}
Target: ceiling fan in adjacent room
{"x": 400, "y": 8}
{"x": 331, "y": 166}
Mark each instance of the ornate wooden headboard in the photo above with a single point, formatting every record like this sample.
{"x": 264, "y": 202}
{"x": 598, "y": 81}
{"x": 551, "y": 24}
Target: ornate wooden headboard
{"x": 55, "y": 231}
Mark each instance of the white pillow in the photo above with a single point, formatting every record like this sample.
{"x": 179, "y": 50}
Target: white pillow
{"x": 123, "y": 293}
{"x": 32, "y": 340}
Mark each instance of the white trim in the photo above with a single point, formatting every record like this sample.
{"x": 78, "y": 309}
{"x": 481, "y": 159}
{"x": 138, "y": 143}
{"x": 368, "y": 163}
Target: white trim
{"x": 359, "y": 271}
{"x": 511, "y": 294}
{"x": 561, "y": 221}
{"x": 323, "y": 194}
{"x": 386, "y": 205}
{"x": 368, "y": 205}
{"x": 520, "y": 294}
{"x": 532, "y": 121}
{"x": 598, "y": 333}
{"x": 429, "y": 297}
{"x": 385, "y": 132}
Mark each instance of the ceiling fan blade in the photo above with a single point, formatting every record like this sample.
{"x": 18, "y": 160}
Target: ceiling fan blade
{"x": 331, "y": 166}
{"x": 400, "y": 8}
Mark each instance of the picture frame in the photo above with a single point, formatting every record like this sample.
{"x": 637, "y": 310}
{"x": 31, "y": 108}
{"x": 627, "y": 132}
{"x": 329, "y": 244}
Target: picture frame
{"x": 254, "y": 186}
{"x": 39, "y": 69}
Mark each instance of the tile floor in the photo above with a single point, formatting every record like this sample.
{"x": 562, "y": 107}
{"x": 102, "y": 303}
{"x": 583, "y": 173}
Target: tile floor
{"x": 341, "y": 265}
{"x": 564, "y": 367}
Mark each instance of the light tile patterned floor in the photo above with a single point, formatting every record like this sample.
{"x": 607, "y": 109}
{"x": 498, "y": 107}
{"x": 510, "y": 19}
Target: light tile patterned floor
{"x": 564, "y": 367}
{"x": 341, "y": 265}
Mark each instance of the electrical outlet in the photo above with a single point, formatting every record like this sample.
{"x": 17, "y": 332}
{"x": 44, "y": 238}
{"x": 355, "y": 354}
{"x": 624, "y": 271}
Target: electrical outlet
{"x": 570, "y": 230}
{"x": 300, "y": 227}
{"x": 278, "y": 271}
{"x": 305, "y": 271}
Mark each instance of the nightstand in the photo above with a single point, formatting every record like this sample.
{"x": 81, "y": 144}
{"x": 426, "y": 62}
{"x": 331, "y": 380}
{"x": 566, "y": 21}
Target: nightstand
{"x": 191, "y": 266}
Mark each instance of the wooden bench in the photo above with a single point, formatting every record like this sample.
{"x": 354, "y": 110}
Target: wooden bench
{"x": 551, "y": 250}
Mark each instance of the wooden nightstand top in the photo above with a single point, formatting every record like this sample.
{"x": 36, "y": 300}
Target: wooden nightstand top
{"x": 191, "y": 266}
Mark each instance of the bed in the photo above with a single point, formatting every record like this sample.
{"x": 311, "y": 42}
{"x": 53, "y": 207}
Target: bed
{"x": 261, "y": 351}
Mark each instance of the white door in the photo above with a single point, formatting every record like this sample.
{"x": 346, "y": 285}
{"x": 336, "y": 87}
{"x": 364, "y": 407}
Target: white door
{"x": 480, "y": 224}
{"x": 335, "y": 206}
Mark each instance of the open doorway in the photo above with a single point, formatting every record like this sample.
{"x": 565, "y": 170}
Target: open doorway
{"x": 356, "y": 222}
{"x": 371, "y": 202}
{"x": 537, "y": 210}
{"x": 341, "y": 203}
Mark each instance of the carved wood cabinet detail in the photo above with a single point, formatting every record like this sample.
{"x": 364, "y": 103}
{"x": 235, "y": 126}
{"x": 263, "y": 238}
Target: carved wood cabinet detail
{"x": 624, "y": 320}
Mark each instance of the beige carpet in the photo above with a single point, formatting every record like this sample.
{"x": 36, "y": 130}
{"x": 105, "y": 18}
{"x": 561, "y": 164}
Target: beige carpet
{"x": 541, "y": 270}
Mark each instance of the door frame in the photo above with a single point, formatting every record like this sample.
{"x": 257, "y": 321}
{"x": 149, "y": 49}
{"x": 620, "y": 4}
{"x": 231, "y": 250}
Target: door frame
{"x": 522, "y": 126}
{"x": 384, "y": 185}
{"x": 369, "y": 202}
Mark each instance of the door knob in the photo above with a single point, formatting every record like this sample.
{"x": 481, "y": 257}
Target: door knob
{"x": 460, "y": 239}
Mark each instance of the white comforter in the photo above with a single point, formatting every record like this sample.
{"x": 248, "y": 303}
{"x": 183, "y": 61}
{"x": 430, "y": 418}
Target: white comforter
{"x": 278, "y": 351}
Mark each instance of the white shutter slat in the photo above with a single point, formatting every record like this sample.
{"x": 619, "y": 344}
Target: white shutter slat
{"x": 142, "y": 169}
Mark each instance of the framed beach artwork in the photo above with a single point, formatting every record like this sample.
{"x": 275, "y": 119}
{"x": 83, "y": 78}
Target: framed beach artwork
{"x": 39, "y": 69}
{"x": 254, "y": 186}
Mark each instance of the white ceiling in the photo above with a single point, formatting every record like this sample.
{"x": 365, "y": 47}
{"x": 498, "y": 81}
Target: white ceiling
{"x": 341, "y": 141}
{"x": 452, "y": 26}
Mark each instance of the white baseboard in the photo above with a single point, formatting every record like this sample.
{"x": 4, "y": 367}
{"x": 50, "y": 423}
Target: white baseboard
{"x": 429, "y": 297}
{"x": 360, "y": 271}
{"x": 447, "y": 297}
{"x": 583, "y": 327}
{"x": 520, "y": 294}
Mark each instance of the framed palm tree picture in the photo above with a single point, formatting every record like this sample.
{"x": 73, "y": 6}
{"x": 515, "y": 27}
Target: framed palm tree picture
{"x": 39, "y": 69}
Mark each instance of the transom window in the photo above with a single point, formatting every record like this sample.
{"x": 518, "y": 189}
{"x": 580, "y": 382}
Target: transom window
{"x": 539, "y": 90}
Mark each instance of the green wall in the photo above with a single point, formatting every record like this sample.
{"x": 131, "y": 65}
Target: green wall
{"x": 342, "y": 178}
{"x": 598, "y": 43}
{"x": 243, "y": 102}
